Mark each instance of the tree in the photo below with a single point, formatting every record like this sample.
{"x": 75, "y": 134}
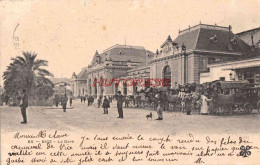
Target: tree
{"x": 26, "y": 72}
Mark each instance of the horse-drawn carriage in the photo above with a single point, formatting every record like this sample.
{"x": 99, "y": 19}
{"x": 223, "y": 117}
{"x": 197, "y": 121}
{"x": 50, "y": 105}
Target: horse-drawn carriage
{"x": 147, "y": 98}
{"x": 232, "y": 96}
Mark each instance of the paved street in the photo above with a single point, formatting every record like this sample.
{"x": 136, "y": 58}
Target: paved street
{"x": 84, "y": 118}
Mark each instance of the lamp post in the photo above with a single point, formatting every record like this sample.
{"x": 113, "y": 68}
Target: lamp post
{"x": 231, "y": 76}
{"x": 183, "y": 51}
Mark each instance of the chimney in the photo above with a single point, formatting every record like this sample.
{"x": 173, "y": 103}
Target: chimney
{"x": 252, "y": 38}
{"x": 229, "y": 32}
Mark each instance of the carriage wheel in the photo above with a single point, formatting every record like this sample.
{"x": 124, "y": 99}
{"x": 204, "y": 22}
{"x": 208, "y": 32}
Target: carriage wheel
{"x": 227, "y": 109}
{"x": 211, "y": 108}
{"x": 152, "y": 105}
{"x": 258, "y": 106}
{"x": 240, "y": 109}
{"x": 172, "y": 106}
{"x": 248, "y": 108}
{"x": 178, "y": 106}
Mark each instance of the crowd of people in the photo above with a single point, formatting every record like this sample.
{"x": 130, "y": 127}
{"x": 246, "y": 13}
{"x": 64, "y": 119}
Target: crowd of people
{"x": 185, "y": 97}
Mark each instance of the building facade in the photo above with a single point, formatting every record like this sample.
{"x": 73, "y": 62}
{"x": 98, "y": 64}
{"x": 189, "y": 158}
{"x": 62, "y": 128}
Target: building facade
{"x": 186, "y": 57}
{"x": 190, "y": 58}
{"x": 242, "y": 69}
{"x": 108, "y": 67}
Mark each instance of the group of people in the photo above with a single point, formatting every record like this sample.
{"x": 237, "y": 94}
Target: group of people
{"x": 187, "y": 102}
{"x": 62, "y": 100}
{"x": 186, "y": 98}
{"x": 107, "y": 100}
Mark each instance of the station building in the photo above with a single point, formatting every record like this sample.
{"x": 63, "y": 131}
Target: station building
{"x": 112, "y": 63}
{"x": 247, "y": 68}
{"x": 189, "y": 58}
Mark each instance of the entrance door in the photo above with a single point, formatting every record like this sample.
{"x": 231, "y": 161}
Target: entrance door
{"x": 167, "y": 75}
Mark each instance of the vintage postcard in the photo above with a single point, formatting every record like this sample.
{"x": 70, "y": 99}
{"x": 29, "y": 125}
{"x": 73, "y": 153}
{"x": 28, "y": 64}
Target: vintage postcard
{"x": 139, "y": 82}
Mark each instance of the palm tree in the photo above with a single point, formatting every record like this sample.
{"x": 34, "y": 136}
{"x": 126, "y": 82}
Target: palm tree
{"x": 26, "y": 72}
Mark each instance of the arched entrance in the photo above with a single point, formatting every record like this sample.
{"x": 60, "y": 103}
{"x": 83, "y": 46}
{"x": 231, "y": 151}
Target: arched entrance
{"x": 167, "y": 75}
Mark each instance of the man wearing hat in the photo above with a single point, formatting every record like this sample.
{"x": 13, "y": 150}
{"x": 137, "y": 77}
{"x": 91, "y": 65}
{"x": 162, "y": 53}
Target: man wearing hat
{"x": 64, "y": 102}
{"x": 120, "y": 100}
{"x": 160, "y": 107}
{"x": 24, "y": 105}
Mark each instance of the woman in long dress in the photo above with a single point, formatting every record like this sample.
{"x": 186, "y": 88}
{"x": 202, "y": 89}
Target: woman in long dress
{"x": 204, "y": 106}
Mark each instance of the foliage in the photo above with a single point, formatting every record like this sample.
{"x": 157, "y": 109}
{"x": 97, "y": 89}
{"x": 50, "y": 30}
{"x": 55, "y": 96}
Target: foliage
{"x": 27, "y": 72}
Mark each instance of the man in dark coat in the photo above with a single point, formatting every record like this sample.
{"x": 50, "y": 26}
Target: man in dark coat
{"x": 64, "y": 102}
{"x": 106, "y": 105}
{"x": 120, "y": 99}
{"x": 70, "y": 100}
{"x": 84, "y": 98}
{"x": 56, "y": 100}
{"x": 24, "y": 105}
{"x": 88, "y": 98}
{"x": 99, "y": 101}
{"x": 188, "y": 102}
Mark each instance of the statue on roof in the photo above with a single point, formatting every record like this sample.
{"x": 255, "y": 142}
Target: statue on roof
{"x": 157, "y": 52}
{"x": 96, "y": 53}
{"x": 169, "y": 38}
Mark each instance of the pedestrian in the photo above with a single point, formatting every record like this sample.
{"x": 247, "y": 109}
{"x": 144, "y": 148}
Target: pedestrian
{"x": 81, "y": 99}
{"x": 106, "y": 105}
{"x": 126, "y": 102}
{"x": 204, "y": 105}
{"x": 56, "y": 100}
{"x": 24, "y": 105}
{"x": 6, "y": 99}
{"x": 84, "y": 98}
{"x": 120, "y": 100}
{"x": 182, "y": 98}
{"x": 110, "y": 99}
{"x": 160, "y": 107}
{"x": 64, "y": 102}
{"x": 91, "y": 100}
{"x": 188, "y": 102}
{"x": 70, "y": 100}
{"x": 99, "y": 101}
{"x": 88, "y": 98}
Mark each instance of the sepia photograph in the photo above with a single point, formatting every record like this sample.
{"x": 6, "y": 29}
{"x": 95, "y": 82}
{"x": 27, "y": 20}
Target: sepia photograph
{"x": 130, "y": 82}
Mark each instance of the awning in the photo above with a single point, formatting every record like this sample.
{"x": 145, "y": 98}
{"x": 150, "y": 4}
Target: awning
{"x": 234, "y": 84}
{"x": 242, "y": 67}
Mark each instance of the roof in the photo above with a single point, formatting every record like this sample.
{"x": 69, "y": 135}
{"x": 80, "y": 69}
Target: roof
{"x": 202, "y": 37}
{"x": 243, "y": 67}
{"x": 246, "y": 36}
{"x": 123, "y": 53}
{"x": 59, "y": 80}
{"x": 82, "y": 74}
{"x": 168, "y": 40}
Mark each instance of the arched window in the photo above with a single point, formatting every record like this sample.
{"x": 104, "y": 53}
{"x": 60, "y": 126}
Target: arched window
{"x": 167, "y": 75}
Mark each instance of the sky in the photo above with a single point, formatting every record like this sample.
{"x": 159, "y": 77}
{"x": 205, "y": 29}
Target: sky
{"x": 68, "y": 32}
